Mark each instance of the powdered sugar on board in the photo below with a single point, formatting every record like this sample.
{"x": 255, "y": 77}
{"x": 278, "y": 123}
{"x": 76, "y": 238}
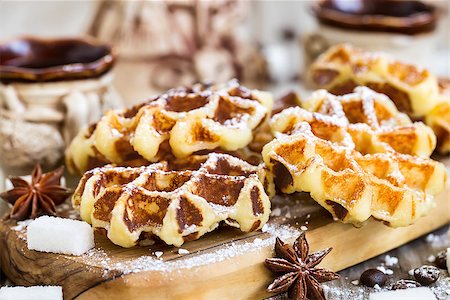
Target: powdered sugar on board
{"x": 22, "y": 225}
{"x": 153, "y": 262}
{"x": 98, "y": 257}
{"x": 21, "y": 228}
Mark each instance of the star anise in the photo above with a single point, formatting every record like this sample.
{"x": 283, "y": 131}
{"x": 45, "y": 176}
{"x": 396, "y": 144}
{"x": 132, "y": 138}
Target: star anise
{"x": 41, "y": 195}
{"x": 300, "y": 276}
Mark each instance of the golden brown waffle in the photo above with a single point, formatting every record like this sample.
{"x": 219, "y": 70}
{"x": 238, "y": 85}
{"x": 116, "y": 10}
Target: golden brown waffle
{"x": 372, "y": 122}
{"x": 179, "y": 123}
{"x": 439, "y": 118}
{"x": 356, "y": 155}
{"x": 415, "y": 91}
{"x": 176, "y": 206}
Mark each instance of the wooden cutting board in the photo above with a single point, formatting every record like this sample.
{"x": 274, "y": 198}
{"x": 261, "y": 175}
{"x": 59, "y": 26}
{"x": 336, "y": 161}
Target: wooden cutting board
{"x": 224, "y": 264}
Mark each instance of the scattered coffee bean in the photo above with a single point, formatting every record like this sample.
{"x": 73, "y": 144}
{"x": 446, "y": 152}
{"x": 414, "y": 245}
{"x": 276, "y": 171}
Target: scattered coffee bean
{"x": 372, "y": 277}
{"x": 441, "y": 260}
{"x": 426, "y": 275}
{"x": 403, "y": 284}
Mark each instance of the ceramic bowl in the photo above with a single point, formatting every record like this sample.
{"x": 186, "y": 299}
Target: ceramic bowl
{"x": 393, "y": 16}
{"x": 32, "y": 59}
{"x": 49, "y": 90}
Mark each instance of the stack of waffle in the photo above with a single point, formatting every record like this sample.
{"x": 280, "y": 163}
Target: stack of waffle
{"x": 357, "y": 156}
{"x": 176, "y": 206}
{"x": 179, "y": 123}
{"x": 415, "y": 91}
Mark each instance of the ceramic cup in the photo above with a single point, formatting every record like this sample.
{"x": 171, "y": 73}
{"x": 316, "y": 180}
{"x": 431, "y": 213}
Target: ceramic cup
{"x": 405, "y": 29}
{"x": 49, "y": 89}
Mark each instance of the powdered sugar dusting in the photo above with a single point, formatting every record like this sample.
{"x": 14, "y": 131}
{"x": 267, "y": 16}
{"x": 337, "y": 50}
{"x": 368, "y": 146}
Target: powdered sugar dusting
{"x": 22, "y": 225}
{"x": 436, "y": 241}
{"x": 390, "y": 260}
{"x": 334, "y": 292}
{"x": 385, "y": 270}
{"x": 442, "y": 286}
{"x": 21, "y": 229}
{"x": 182, "y": 251}
{"x": 98, "y": 257}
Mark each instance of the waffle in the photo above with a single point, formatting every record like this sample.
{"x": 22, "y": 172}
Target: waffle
{"x": 415, "y": 91}
{"x": 439, "y": 118}
{"x": 179, "y": 123}
{"x": 176, "y": 206}
{"x": 372, "y": 121}
{"x": 357, "y": 156}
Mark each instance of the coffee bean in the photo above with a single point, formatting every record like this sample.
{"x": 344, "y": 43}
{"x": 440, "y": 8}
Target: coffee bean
{"x": 371, "y": 277}
{"x": 426, "y": 275}
{"x": 403, "y": 284}
{"x": 441, "y": 260}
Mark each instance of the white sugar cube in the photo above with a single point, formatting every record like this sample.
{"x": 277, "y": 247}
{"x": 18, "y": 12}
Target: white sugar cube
{"x": 420, "y": 293}
{"x": 31, "y": 293}
{"x": 58, "y": 235}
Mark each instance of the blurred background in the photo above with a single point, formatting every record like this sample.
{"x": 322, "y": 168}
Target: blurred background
{"x": 253, "y": 40}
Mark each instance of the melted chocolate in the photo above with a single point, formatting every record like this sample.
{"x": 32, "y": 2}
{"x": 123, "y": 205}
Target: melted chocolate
{"x": 226, "y": 111}
{"x": 34, "y": 59}
{"x": 224, "y": 167}
{"x": 407, "y": 17}
{"x": 255, "y": 196}
{"x": 182, "y": 103}
{"x": 188, "y": 215}
{"x": 282, "y": 177}
{"x": 218, "y": 190}
{"x": 338, "y": 209}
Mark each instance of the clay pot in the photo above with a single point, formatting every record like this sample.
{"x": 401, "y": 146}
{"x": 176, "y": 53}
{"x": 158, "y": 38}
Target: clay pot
{"x": 49, "y": 90}
{"x": 396, "y": 27}
{"x": 405, "y": 17}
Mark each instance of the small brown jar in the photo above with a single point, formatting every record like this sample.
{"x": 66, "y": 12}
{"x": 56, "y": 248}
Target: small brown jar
{"x": 398, "y": 27}
{"x": 49, "y": 89}
{"x": 406, "y": 17}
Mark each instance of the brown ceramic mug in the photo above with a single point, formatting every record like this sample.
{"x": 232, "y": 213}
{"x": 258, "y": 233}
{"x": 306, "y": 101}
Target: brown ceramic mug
{"x": 49, "y": 89}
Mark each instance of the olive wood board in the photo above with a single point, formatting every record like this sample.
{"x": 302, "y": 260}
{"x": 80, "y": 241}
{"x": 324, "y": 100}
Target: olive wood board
{"x": 240, "y": 273}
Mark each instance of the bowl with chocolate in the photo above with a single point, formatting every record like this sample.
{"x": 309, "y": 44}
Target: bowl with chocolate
{"x": 32, "y": 59}
{"x": 393, "y": 26}
{"x": 49, "y": 89}
{"x": 392, "y": 16}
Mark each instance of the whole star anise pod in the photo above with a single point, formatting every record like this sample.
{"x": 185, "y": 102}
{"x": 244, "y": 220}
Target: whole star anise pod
{"x": 299, "y": 274}
{"x": 42, "y": 194}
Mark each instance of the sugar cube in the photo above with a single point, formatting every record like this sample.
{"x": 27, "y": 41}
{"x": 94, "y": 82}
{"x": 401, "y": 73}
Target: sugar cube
{"x": 58, "y": 235}
{"x": 31, "y": 293}
{"x": 420, "y": 293}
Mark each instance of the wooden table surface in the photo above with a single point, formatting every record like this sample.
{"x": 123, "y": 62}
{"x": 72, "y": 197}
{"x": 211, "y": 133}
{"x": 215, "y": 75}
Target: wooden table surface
{"x": 411, "y": 255}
